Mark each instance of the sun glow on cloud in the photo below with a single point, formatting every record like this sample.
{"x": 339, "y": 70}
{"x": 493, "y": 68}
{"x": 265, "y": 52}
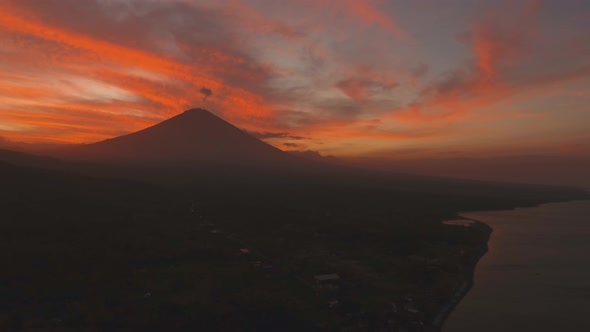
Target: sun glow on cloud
{"x": 340, "y": 77}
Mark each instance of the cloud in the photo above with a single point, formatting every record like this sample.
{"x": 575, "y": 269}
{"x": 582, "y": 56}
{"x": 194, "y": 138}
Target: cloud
{"x": 83, "y": 46}
{"x": 351, "y": 74}
{"x": 420, "y": 70}
{"x": 271, "y": 135}
{"x": 370, "y": 13}
{"x": 309, "y": 154}
{"x": 498, "y": 43}
{"x": 360, "y": 90}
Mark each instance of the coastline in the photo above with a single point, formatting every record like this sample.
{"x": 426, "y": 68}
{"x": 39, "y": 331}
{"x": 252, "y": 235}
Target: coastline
{"x": 468, "y": 282}
{"x": 469, "y": 273}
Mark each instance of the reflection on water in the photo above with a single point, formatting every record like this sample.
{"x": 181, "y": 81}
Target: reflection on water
{"x": 536, "y": 275}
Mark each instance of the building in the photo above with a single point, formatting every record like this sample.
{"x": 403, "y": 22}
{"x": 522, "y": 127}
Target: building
{"x": 333, "y": 303}
{"x": 326, "y": 278}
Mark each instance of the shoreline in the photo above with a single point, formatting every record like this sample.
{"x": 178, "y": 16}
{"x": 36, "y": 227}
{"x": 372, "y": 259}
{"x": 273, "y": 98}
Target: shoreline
{"x": 460, "y": 293}
{"x": 469, "y": 274}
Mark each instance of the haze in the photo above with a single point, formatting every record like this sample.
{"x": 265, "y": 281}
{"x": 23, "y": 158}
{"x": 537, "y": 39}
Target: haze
{"x": 391, "y": 80}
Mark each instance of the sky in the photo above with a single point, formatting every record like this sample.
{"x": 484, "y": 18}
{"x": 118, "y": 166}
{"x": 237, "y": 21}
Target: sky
{"x": 421, "y": 78}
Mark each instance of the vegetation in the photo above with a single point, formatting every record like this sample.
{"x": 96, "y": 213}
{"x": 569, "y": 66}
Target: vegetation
{"x": 88, "y": 253}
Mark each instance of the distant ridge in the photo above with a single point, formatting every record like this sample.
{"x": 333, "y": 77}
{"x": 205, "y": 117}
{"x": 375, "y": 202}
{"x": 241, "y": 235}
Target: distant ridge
{"x": 198, "y": 147}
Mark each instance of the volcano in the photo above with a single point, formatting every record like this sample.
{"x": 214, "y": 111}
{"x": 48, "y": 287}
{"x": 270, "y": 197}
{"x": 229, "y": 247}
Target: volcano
{"x": 195, "y": 139}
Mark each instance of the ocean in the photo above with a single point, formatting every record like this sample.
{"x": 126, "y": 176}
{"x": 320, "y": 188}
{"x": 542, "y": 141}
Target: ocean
{"x": 536, "y": 274}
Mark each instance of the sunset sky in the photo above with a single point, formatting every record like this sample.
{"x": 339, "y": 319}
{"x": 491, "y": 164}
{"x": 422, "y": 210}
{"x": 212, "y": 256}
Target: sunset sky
{"x": 343, "y": 77}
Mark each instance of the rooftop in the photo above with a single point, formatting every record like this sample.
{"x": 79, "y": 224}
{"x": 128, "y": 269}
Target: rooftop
{"x": 327, "y": 277}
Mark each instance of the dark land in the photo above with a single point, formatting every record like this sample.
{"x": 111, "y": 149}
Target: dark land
{"x": 185, "y": 228}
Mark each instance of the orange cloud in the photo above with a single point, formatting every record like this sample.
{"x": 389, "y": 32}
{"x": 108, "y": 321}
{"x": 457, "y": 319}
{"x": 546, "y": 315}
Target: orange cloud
{"x": 367, "y": 12}
{"x": 330, "y": 70}
{"x": 355, "y": 89}
{"x": 164, "y": 97}
{"x": 103, "y": 54}
{"x": 495, "y": 42}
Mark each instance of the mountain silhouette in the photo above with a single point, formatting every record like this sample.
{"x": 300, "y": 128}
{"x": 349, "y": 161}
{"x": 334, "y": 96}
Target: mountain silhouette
{"x": 199, "y": 147}
{"x": 192, "y": 140}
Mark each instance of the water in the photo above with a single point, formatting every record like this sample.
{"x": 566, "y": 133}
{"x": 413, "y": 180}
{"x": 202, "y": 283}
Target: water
{"x": 536, "y": 275}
